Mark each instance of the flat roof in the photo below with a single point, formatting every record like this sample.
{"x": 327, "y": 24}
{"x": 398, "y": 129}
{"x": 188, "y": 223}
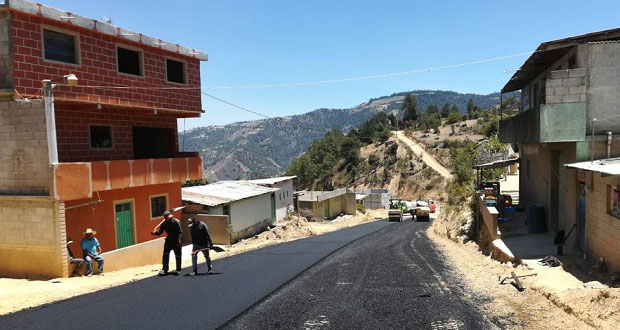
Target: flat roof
{"x": 318, "y": 196}
{"x": 223, "y": 192}
{"x": 272, "y": 180}
{"x": 59, "y": 15}
{"x": 609, "y": 166}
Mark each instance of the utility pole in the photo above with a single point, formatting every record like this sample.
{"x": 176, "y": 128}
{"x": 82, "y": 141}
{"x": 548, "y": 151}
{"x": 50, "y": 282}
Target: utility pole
{"x": 50, "y": 121}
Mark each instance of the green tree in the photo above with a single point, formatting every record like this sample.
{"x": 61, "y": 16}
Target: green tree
{"x": 472, "y": 109}
{"x": 445, "y": 110}
{"x": 454, "y": 109}
{"x": 409, "y": 107}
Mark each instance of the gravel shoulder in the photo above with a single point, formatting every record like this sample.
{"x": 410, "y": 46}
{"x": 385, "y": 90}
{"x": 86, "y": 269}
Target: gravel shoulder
{"x": 548, "y": 302}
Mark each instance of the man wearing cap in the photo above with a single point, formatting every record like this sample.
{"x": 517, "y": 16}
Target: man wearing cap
{"x": 92, "y": 251}
{"x": 174, "y": 234}
{"x": 201, "y": 241}
{"x": 78, "y": 262}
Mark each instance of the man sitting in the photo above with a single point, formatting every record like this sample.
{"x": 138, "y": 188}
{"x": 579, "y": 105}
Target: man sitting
{"x": 78, "y": 262}
{"x": 92, "y": 250}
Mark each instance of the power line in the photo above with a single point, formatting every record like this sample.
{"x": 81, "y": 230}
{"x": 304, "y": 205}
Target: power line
{"x": 318, "y": 82}
{"x": 373, "y": 76}
{"x": 234, "y": 105}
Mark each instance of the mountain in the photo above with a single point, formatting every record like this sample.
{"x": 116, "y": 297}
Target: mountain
{"x": 262, "y": 148}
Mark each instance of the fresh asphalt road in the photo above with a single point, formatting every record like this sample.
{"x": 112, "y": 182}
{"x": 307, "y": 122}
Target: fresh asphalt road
{"x": 391, "y": 279}
{"x": 178, "y": 302}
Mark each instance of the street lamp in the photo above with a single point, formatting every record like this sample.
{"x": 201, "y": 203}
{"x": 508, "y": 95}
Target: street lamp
{"x": 50, "y": 118}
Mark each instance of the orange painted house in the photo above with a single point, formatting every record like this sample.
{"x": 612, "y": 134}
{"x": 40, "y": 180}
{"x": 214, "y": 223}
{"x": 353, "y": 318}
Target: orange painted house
{"x": 108, "y": 157}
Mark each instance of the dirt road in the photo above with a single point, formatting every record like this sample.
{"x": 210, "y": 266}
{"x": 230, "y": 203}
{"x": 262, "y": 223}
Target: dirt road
{"x": 427, "y": 158}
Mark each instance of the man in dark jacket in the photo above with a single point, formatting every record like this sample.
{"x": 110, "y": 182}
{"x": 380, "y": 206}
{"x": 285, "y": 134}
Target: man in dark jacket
{"x": 174, "y": 234}
{"x": 201, "y": 241}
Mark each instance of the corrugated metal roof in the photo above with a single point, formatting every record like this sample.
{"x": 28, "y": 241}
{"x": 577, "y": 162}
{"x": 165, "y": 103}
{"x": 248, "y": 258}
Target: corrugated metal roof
{"x": 223, "y": 192}
{"x": 610, "y": 166}
{"x": 272, "y": 180}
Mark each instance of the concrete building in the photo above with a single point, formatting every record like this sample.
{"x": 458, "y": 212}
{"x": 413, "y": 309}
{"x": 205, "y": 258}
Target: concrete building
{"x": 375, "y": 199}
{"x": 250, "y": 208}
{"x": 569, "y": 113}
{"x": 91, "y": 155}
{"x": 284, "y": 194}
{"x": 599, "y": 204}
{"x": 328, "y": 204}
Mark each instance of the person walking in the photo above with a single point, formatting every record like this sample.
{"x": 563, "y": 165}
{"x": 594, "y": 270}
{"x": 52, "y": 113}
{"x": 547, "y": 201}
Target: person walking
{"x": 174, "y": 234}
{"x": 92, "y": 251}
{"x": 201, "y": 242}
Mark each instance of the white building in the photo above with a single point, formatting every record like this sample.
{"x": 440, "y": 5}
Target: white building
{"x": 284, "y": 194}
{"x": 250, "y": 207}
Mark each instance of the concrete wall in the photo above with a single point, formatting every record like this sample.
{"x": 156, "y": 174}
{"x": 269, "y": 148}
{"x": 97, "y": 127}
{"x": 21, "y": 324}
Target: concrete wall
{"x": 489, "y": 215}
{"x": 284, "y": 198}
{"x": 218, "y": 227}
{"x": 247, "y": 213}
{"x": 602, "y": 228}
{"x": 32, "y": 241}
{"x": 603, "y": 86}
{"x": 24, "y": 162}
{"x": 142, "y": 254}
{"x": 344, "y": 203}
{"x": 6, "y": 63}
{"x": 566, "y": 86}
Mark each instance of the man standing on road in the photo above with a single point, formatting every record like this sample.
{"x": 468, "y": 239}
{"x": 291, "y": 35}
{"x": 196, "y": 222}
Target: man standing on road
{"x": 92, "y": 251}
{"x": 201, "y": 241}
{"x": 174, "y": 234}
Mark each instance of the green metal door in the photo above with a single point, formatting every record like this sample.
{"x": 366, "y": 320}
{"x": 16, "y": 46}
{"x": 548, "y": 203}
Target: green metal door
{"x": 124, "y": 225}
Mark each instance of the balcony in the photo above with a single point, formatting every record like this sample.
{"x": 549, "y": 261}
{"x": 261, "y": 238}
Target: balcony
{"x": 79, "y": 180}
{"x": 562, "y": 117}
{"x": 564, "y": 122}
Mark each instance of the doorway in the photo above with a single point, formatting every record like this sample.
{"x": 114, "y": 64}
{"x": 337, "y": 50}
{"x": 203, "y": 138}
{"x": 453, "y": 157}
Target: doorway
{"x": 124, "y": 224}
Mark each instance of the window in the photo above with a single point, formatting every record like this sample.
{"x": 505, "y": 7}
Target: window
{"x": 572, "y": 62}
{"x": 100, "y": 137}
{"x": 60, "y": 47}
{"x": 129, "y": 61}
{"x": 226, "y": 210}
{"x": 175, "y": 71}
{"x": 159, "y": 204}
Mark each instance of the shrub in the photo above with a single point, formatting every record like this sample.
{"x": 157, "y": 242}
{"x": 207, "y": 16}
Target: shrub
{"x": 361, "y": 208}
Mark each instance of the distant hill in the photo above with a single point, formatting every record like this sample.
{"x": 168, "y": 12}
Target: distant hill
{"x": 266, "y": 147}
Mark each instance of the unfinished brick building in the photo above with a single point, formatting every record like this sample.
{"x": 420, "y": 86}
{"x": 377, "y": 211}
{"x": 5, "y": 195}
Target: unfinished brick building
{"x": 107, "y": 155}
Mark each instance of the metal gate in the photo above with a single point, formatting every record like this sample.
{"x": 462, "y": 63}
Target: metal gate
{"x": 124, "y": 224}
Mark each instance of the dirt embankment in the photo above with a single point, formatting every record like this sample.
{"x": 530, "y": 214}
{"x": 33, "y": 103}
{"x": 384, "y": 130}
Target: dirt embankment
{"x": 553, "y": 299}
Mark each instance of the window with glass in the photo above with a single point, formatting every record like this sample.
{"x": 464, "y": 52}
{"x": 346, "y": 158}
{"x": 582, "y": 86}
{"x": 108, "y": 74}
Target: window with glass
{"x": 158, "y": 206}
{"x": 61, "y": 47}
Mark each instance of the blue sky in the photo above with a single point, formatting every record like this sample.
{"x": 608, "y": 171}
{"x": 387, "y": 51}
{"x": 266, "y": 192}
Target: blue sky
{"x": 265, "y": 42}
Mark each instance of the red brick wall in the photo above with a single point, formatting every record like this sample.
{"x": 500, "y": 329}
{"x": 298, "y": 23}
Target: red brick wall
{"x": 99, "y": 68}
{"x": 72, "y": 131}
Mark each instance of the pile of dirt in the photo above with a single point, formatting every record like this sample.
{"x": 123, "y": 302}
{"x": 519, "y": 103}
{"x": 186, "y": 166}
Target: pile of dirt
{"x": 293, "y": 227}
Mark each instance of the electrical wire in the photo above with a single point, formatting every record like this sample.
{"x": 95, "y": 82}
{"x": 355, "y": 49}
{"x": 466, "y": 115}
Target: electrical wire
{"x": 234, "y": 105}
